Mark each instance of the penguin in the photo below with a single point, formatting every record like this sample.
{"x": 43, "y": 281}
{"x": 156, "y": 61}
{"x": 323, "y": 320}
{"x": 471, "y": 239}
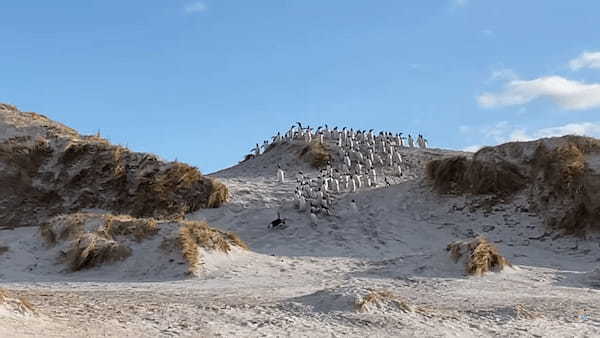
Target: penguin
{"x": 301, "y": 203}
{"x": 313, "y": 219}
{"x": 353, "y": 207}
{"x": 278, "y": 223}
{"x": 280, "y": 174}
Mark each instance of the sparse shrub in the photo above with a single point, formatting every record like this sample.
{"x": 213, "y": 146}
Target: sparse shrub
{"x": 92, "y": 249}
{"x": 218, "y": 196}
{"x": 375, "y": 298}
{"x": 4, "y": 249}
{"x": 18, "y": 304}
{"x": 316, "y": 154}
{"x": 480, "y": 255}
{"x": 197, "y": 234}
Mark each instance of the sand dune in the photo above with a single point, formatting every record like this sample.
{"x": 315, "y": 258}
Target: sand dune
{"x": 382, "y": 269}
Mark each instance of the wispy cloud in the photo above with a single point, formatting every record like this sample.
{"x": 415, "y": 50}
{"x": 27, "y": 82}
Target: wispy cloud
{"x": 460, "y": 3}
{"x": 504, "y": 131}
{"x": 568, "y": 94}
{"x": 504, "y": 74}
{"x": 195, "y": 7}
{"x": 586, "y": 60}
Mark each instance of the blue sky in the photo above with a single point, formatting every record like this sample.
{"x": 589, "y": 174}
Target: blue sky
{"x": 202, "y": 81}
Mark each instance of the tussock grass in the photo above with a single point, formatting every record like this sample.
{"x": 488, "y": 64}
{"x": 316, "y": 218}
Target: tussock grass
{"x": 523, "y": 313}
{"x": 96, "y": 239}
{"x": 194, "y": 235}
{"x": 138, "y": 228}
{"x": 92, "y": 249}
{"x": 481, "y": 256}
{"x": 316, "y": 154}
{"x": 560, "y": 183}
{"x": 20, "y": 304}
{"x": 247, "y": 158}
{"x": 376, "y": 298}
{"x": 219, "y": 194}
{"x": 461, "y": 175}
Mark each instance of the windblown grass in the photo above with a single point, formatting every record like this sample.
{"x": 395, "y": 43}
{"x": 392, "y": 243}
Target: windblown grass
{"x": 218, "y": 196}
{"x": 462, "y": 175}
{"x": 316, "y": 154}
{"x": 18, "y": 304}
{"x": 377, "y": 298}
{"x": 96, "y": 239}
{"x": 194, "y": 235}
{"x": 480, "y": 255}
{"x": 92, "y": 249}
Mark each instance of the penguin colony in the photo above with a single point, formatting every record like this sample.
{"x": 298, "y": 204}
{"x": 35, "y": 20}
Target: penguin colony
{"x": 369, "y": 160}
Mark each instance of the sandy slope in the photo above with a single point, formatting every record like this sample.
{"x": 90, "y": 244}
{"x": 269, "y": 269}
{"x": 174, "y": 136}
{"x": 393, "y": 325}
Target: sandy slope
{"x": 302, "y": 281}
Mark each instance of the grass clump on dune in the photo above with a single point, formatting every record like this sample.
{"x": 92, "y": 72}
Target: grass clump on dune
{"x": 194, "y": 235}
{"x": 96, "y": 239}
{"x": 376, "y": 298}
{"x": 316, "y": 154}
{"x": 480, "y": 255}
{"x": 218, "y": 196}
{"x": 461, "y": 175}
{"x": 18, "y": 304}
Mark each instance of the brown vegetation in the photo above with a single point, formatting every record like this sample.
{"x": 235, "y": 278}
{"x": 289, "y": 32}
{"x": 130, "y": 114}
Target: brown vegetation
{"x": 93, "y": 238}
{"x": 316, "y": 154}
{"x": 93, "y": 249}
{"x": 19, "y": 304}
{"x": 375, "y": 298}
{"x": 555, "y": 173}
{"x": 481, "y": 256}
{"x": 4, "y": 249}
{"x": 194, "y": 235}
{"x": 60, "y": 171}
{"x": 461, "y": 175}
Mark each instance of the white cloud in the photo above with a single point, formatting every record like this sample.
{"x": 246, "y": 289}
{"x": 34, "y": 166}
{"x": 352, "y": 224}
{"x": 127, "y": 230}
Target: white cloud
{"x": 504, "y": 74}
{"x": 503, "y": 132}
{"x": 566, "y": 93}
{"x": 195, "y": 7}
{"x": 586, "y": 60}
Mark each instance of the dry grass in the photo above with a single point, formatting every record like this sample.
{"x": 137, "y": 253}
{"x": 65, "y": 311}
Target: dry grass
{"x": 375, "y": 298}
{"x": 553, "y": 172}
{"x": 92, "y": 249}
{"x": 89, "y": 172}
{"x": 462, "y": 175}
{"x": 20, "y": 304}
{"x": 248, "y": 157}
{"x": 138, "y": 228}
{"x": 316, "y": 154}
{"x": 194, "y": 235}
{"x": 523, "y": 313}
{"x": 218, "y": 196}
{"x": 482, "y": 256}
{"x": 4, "y": 249}
{"x": 93, "y": 238}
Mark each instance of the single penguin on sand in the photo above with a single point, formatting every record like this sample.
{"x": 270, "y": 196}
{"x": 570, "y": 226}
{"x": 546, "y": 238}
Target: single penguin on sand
{"x": 353, "y": 207}
{"x": 278, "y": 223}
{"x": 280, "y": 174}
